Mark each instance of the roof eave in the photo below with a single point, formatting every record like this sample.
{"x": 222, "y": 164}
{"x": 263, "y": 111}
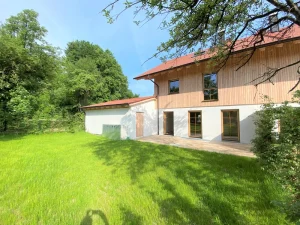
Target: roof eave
{"x": 143, "y": 101}
{"x": 105, "y": 107}
{"x": 202, "y": 60}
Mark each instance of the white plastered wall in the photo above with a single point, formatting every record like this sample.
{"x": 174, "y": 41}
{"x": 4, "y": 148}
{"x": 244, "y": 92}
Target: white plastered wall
{"x": 94, "y": 119}
{"x": 150, "y": 118}
{"x": 211, "y": 121}
{"x": 126, "y": 117}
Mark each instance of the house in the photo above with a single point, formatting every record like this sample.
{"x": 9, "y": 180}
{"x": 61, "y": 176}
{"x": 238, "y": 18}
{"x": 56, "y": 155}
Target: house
{"x": 125, "y": 119}
{"x": 192, "y": 100}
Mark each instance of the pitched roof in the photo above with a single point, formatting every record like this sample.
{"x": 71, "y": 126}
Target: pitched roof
{"x": 123, "y": 102}
{"x": 241, "y": 45}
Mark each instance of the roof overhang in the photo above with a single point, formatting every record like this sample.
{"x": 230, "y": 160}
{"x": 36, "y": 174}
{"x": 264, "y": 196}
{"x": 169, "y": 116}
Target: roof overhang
{"x": 86, "y": 108}
{"x": 152, "y": 75}
{"x": 116, "y": 106}
{"x": 144, "y": 101}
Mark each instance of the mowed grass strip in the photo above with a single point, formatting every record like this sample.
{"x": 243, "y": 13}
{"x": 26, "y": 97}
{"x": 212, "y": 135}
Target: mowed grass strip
{"x": 85, "y": 179}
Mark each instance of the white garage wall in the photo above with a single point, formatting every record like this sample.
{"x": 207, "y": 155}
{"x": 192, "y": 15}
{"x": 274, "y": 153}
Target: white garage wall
{"x": 150, "y": 117}
{"x": 126, "y": 117}
{"x": 211, "y": 121}
{"x": 94, "y": 119}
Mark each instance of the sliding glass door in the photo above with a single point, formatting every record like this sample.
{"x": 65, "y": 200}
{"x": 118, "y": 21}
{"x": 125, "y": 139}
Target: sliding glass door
{"x": 230, "y": 125}
{"x": 195, "y": 124}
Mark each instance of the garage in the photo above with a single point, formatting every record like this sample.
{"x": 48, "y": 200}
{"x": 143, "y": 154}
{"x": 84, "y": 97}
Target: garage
{"x": 122, "y": 119}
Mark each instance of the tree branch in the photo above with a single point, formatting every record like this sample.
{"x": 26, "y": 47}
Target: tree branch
{"x": 267, "y": 76}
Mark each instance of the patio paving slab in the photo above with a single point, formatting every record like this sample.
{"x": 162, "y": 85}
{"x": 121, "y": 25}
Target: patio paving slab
{"x": 231, "y": 148}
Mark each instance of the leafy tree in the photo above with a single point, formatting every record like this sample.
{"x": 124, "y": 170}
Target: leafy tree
{"x": 279, "y": 152}
{"x": 27, "y": 62}
{"x": 39, "y": 90}
{"x": 82, "y": 49}
{"x": 93, "y": 75}
{"x": 197, "y": 24}
{"x": 26, "y": 28}
{"x": 21, "y": 102}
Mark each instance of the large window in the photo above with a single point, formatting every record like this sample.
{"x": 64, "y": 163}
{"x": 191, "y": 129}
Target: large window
{"x": 173, "y": 86}
{"x": 231, "y": 123}
{"x": 210, "y": 87}
{"x": 195, "y": 124}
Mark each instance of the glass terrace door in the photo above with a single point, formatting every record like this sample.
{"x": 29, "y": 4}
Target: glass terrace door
{"x": 195, "y": 124}
{"x": 230, "y": 125}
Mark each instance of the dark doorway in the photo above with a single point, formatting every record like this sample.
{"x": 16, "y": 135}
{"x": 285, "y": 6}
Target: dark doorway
{"x": 168, "y": 123}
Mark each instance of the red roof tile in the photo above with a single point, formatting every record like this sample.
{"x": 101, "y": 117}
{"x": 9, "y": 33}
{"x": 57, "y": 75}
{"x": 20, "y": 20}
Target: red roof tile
{"x": 119, "y": 102}
{"x": 242, "y": 44}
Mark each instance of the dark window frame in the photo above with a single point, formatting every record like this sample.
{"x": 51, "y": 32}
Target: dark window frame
{"x": 169, "y": 82}
{"x": 212, "y": 88}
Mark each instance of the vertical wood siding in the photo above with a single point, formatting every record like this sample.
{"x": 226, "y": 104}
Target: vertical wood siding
{"x": 139, "y": 124}
{"x": 233, "y": 86}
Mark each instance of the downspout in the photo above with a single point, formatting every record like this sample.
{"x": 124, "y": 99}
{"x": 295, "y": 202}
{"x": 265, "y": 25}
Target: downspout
{"x": 156, "y": 104}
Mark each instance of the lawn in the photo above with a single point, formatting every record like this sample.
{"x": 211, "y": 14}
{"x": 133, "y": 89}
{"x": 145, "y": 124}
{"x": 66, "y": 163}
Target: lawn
{"x": 84, "y": 179}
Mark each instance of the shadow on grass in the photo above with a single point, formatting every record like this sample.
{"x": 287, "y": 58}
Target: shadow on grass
{"x": 131, "y": 218}
{"x": 224, "y": 185}
{"x": 10, "y": 136}
{"x": 128, "y": 217}
{"x": 88, "y": 219}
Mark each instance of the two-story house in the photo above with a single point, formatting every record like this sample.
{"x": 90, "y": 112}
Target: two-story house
{"x": 193, "y": 100}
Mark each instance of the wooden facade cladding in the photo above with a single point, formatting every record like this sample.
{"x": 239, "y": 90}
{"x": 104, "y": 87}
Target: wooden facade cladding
{"x": 233, "y": 86}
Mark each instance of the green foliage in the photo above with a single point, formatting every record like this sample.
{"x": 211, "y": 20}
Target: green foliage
{"x": 58, "y": 123}
{"x": 20, "y": 103}
{"x": 27, "y": 63}
{"x": 26, "y": 28}
{"x": 279, "y": 153}
{"x": 42, "y": 92}
{"x": 82, "y": 49}
{"x": 94, "y": 75}
{"x": 194, "y": 25}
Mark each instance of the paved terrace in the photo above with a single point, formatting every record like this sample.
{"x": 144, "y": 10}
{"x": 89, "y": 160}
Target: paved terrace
{"x": 198, "y": 144}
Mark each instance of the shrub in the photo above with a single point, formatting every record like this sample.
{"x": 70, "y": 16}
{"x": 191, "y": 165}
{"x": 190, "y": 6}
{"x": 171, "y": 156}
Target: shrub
{"x": 75, "y": 122}
{"x": 44, "y": 123}
{"x": 279, "y": 152}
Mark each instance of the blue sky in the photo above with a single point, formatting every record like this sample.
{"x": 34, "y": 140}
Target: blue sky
{"x": 69, "y": 20}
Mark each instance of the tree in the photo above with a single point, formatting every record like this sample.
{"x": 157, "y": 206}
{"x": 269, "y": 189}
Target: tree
{"x": 278, "y": 149}
{"x": 27, "y": 62}
{"x": 197, "y": 24}
{"x": 39, "y": 89}
{"x": 26, "y": 28}
{"x": 94, "y": 75}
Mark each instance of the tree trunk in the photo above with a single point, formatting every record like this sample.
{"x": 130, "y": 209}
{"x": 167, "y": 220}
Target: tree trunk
{"x": 5, "y": 125}
{"x": 4, "y": 115}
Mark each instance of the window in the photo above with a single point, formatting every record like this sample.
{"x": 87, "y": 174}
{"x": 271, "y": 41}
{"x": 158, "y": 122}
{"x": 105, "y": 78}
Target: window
{"x": 230, "y": 124}
{"x": 195, "y": 124}
{"x": 173, "y": 86}
{"x": 219, "y": 37}
{"x": 273, "y": 19}
{"x": 210, "y": 87}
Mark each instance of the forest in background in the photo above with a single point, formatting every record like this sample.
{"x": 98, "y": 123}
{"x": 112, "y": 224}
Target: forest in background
{"x": 42, "y": 89}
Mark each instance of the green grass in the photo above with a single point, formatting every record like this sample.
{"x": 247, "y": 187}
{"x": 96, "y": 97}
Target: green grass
{"x": 82, "y": 179}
